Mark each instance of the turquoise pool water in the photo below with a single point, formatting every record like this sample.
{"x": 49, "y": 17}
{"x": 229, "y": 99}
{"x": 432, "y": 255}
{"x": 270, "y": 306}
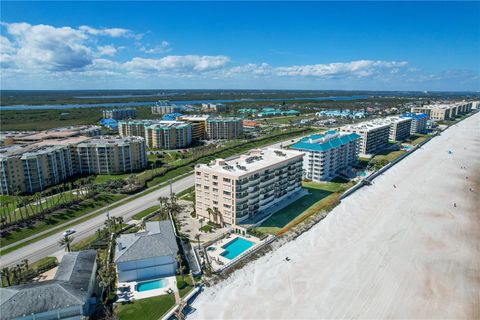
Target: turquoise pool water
{"x": 235, "y": 247}
{"x": 151, "y": 285}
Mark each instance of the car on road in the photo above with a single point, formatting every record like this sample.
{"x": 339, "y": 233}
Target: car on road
{"x": 68, "y": 232}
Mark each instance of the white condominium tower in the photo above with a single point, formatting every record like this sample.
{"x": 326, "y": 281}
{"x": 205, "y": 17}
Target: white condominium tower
{"x": 230, "y": 191}
{"x": 328, "y": 155}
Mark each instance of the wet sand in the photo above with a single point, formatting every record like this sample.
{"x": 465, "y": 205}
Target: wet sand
{"x": 384, "y": 252}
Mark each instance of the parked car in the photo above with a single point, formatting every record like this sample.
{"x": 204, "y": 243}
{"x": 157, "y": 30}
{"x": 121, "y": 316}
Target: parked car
{"x": 68, "y": 232}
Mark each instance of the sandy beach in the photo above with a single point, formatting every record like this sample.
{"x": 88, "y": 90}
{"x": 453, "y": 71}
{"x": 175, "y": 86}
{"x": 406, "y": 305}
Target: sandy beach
{"x": 384, "y": 252}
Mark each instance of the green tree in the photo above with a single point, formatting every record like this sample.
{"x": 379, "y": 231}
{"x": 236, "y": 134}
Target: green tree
{"x": 6, "y": 273}
{"x": 65, "y": 242}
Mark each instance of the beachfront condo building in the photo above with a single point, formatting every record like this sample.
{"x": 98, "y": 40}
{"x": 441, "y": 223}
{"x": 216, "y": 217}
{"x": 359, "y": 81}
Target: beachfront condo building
{"x": 399, "y": 128}
{"x": 328, "y": 155}
{"x": 373, "y": 134}
{"x": 199, "y": 125}
{"x": 168, "y": 135}
{"x": 419, "y": 122}
{"x": 230, "y": 191}
{"x": 120, "y": 114}
{"x": 444, "y": 111}
{"x": 111, "y": 155}
{"x": 164, "y": 107}
{"x": 159, "y": 134}
{"x": 224, "y": 128}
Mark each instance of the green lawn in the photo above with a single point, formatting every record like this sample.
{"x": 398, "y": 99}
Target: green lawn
{"x": 388, "y": 156}
{"x": 60, "y": 217}
{"x": 416, "y": 139}
{"x": 84, "y": 243}
{"x": 187, "y": 194}
{"x": 184, "y": 287}
{"x": 145, "y": 212}
{"x": 319, "y": 194}
{"x": 145, "y": 309}
{"x": 106, "y": 177}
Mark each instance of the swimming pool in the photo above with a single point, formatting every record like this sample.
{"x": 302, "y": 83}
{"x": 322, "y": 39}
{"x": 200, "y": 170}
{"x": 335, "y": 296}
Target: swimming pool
{"x": 236, "y": 247}
{"x": 151, "y": 285}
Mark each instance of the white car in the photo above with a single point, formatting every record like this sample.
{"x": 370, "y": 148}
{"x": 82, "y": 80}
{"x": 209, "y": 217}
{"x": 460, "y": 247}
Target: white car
{"x": 68, "y": 232}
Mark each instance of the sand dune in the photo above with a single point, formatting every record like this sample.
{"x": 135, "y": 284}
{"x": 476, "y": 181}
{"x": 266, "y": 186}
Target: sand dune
{"x": 384, "y": 252}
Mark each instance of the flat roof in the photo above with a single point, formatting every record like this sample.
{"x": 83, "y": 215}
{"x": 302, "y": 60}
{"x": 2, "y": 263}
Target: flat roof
{"x": 367, "y": 125}
{"x": 116, "y": 140}
{"x": 325, "y": 142}
{"x": 255, "y": 160}
{"x": 59, "y": 132}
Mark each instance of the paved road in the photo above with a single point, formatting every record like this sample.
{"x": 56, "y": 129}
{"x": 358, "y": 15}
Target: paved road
{"x": 50, "y": 246}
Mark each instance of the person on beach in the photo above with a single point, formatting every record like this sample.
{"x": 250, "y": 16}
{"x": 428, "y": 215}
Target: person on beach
{"x": 454, "y": 204}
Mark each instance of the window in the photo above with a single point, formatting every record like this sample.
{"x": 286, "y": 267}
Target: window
{"x": 226, "y": 180}
{"x": 227, "y": 193}
{"x": 215, "y": 202}
{"x": 215, "y": 190}
{"x": 227, "y": 206}
{"x": 205, "y": 187}
{"x": 206, "y": 175}
{"x": 215, "y": 183}
{"x": 215, "y": 177}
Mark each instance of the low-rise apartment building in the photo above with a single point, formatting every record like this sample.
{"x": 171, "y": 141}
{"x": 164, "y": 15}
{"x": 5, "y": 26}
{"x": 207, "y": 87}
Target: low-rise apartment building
{"x": 160, "y": 134}
{"x": 224, "y": 128}
{"x": 120, "y": 114}
{"x": 164, "y": 106}
{"x": 111, "y": 155}
{"x": 214, "y": 107}
{"x": 419, "y": 122}
{"x": 28, "y": 168}
{"x": 373, "y": 134}
{"x": 60, "y": 133}
{"x": 230, "y": 191}
{"x": 199, "y": 125}
{"x": 134, "y": 128}
{"x": 168, "y": 135}
{"x": 328, "y": 155}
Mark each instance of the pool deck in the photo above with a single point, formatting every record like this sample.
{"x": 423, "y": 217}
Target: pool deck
{"x": 217, "y": 260}
{"x": 136, "y": 295}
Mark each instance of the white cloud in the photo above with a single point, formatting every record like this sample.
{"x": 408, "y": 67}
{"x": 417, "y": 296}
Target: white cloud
{"x": 108, "y": 50}
{"x": 111, "y": 32}
{"x": 45, "y": 47}
{"x": 161, "y": 48}
{"x": 359, "y": 69}
{"x": 177, "y": 64}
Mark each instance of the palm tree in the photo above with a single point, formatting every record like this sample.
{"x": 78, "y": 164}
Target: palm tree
{"x": 219, "y": 215}
{"x": 197, "y": 236}
{"x": 65, "y": 242}
{"x": 105, "y": 277}
{"x": 210, "y": 212}
{"x": 181, "y": 267}
{"x": 25, "y": 263}
{"x": 6, "y": 274}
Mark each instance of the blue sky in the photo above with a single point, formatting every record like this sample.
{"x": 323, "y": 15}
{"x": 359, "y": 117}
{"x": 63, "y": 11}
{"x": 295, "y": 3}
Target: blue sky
{"x": 267, "y": 45}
